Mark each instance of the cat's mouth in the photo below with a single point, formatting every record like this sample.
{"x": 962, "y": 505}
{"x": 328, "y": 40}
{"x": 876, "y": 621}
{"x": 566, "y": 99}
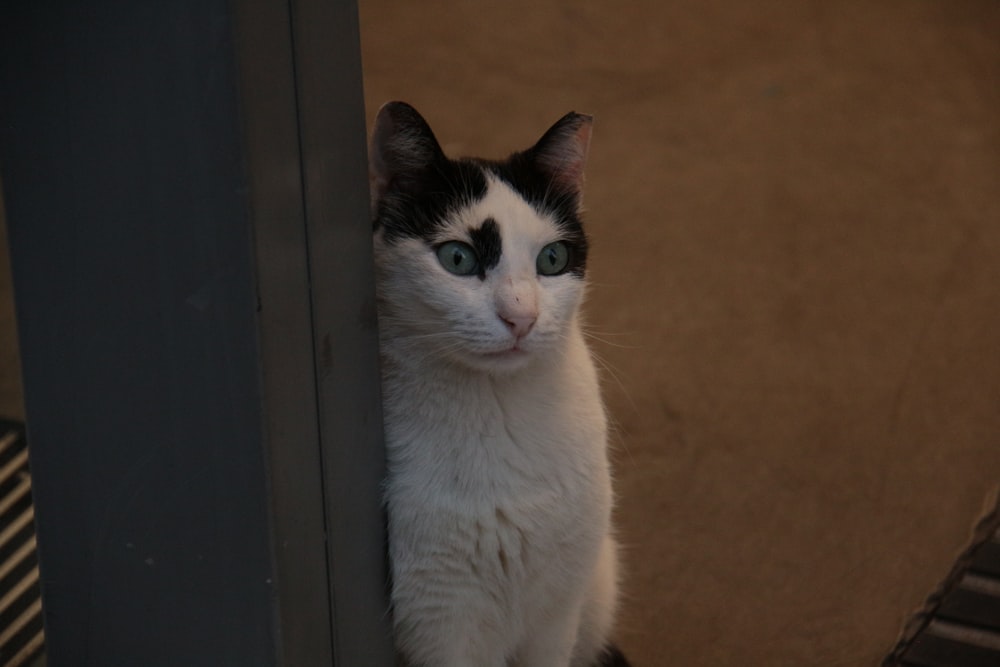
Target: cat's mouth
{"x": 511, "y": 355}
{"x": 514, "y": 351}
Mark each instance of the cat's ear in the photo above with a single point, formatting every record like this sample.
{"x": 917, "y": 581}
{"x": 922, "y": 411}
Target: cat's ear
{"x": 562, "y": 150}
{"x": 402, "y": 146}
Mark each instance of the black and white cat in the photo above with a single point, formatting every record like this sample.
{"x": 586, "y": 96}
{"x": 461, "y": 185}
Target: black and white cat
{"x": 498, "y": 491}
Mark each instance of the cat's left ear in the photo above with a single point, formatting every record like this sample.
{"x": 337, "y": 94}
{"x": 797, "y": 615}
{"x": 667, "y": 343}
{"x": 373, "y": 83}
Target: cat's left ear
{"x": 402, "y": 147}
{"x": 562, "y": 151}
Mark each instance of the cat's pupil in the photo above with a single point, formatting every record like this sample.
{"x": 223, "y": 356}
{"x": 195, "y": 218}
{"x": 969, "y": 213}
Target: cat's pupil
{"x": 553, "y": 259}
{"x": 458, "y": 258}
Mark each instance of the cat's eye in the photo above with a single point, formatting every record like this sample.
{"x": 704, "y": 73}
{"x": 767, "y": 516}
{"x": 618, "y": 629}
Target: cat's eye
{"x": 458, "y": 258}
{"x": 553, "y": 259}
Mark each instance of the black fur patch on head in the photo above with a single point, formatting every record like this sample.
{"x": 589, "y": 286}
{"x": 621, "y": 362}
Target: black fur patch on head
{"x": 421, "y": 207}
{"x": 522, "y": 173}
{"x": 487, "y": 244}
{"x": 417, "y": 187}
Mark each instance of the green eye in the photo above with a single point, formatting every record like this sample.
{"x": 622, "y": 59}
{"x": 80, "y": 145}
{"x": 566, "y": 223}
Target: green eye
{"x": 458, "y": 258}
{"x": 553, "y": 259}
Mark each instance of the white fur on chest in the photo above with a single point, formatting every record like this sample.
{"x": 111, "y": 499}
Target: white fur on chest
{"x": 499, "y": 490}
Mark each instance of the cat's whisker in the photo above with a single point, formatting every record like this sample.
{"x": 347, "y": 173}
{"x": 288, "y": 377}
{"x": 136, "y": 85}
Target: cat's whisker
{"x": 438, "y": 351}
{"x": 601, "y": 337}
{"x": 611, "y": 371}
{"x": 424, "y": 336}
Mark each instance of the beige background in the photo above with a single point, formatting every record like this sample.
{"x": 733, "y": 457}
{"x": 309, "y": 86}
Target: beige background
{"x": 795, "y": 216}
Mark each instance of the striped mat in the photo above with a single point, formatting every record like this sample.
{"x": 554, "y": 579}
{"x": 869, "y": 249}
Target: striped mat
{"x": 959, "y": 624}
{"x": 21, "y": 635}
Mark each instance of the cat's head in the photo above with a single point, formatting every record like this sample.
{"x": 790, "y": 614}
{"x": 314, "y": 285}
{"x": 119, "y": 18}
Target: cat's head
{"x": 479, "y": 262}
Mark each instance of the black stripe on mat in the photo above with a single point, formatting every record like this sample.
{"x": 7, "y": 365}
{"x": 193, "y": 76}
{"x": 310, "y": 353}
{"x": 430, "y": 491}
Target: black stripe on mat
{"x": 959, "y": 625}
{"x": 932, "y": 651}
{"x": 21, "y": 632}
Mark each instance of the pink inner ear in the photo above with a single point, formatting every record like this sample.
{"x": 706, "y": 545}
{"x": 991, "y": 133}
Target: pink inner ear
{"x": 401, "y": 143}
{"x": 378, "y": 171}
{"x": 566, "y": 155}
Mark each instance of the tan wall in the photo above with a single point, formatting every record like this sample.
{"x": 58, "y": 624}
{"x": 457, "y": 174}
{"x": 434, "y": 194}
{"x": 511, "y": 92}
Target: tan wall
{"x": 795, "y": 210}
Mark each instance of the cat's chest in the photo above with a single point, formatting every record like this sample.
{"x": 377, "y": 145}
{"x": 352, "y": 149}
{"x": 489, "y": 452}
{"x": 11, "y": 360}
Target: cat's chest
{"x": 492, "y": 443}
{"x": 503, "y": 478}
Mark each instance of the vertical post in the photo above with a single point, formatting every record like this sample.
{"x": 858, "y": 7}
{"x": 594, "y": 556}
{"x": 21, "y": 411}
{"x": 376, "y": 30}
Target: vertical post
{"x": 304, "y": 116}
{"x": 333, "y": 140}
{"x": 190, "y": 245}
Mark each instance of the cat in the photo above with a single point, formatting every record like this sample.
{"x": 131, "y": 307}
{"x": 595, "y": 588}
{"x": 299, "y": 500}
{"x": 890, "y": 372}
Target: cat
{"x": 498, "y": 490}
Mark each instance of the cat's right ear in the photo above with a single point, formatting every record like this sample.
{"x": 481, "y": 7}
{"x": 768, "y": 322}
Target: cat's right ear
{"x": 402, "y": 147}
{"x": 562, "y": 151}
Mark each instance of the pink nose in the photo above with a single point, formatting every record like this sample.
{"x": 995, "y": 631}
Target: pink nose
{"x": 519, "y": 325}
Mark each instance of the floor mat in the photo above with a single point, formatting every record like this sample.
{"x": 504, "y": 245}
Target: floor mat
{"x": 959, "y": 625}
{"x": 21, "y": 635}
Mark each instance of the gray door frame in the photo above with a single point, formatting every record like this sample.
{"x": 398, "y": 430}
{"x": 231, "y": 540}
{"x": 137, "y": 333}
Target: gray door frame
{"x": 187, "y": 210}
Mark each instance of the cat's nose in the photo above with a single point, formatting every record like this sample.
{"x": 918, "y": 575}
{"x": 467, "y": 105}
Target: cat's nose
{"x": 519, "y": 325}
{"x": 517, "y": 306}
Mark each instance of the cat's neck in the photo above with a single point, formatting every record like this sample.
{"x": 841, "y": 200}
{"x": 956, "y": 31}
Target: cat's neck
{"x": 538, "y": 415}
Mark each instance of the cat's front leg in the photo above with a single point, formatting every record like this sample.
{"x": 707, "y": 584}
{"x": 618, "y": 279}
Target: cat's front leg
{"x": 465, "y": 660}
{"x": 455, "y": 645}
{"x": 448, "y": 633}
{"x": 442, "y": 618}
{"x": 550, "y": 644}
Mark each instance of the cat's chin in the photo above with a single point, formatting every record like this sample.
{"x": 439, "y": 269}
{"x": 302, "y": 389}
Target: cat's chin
{"x": 501, "y": 361}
